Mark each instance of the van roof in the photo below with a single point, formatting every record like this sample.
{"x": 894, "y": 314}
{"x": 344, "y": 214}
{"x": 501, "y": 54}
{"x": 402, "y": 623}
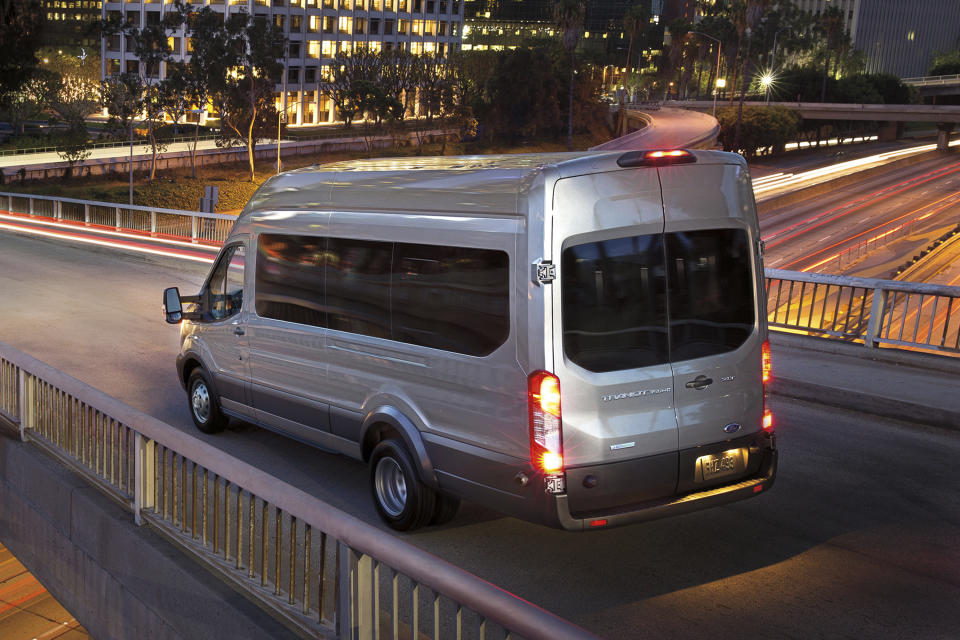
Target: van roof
{"x": 488, "y": 184}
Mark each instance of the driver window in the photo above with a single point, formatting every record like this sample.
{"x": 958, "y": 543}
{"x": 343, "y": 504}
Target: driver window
{"x": 226, "y": 284}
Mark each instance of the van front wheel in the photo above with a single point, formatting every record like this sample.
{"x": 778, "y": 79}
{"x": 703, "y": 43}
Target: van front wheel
{"x": 204, "y": 403}
{"x": 402, "y": 501}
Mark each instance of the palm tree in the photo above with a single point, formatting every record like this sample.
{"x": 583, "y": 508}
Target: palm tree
{"x": 568, "y": 16}
{"x": 635, "y": 22}
{"x": 834, "y": 40}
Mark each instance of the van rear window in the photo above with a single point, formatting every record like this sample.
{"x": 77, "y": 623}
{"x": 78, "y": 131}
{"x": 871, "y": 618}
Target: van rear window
{"x": 649, "y": 299}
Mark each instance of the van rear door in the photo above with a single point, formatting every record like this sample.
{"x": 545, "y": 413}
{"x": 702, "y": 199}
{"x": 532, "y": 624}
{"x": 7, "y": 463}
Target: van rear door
{"x": 611, "y": 343}
{"x": 716, "y": 329}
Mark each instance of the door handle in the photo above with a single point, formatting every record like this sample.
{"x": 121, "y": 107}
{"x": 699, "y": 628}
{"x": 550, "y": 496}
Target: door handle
{"x": 699, "y": 383}
{"x": 238, "y": 331}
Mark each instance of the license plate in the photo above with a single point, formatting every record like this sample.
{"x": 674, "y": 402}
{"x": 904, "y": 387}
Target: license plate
{"x": 720, "y": 465}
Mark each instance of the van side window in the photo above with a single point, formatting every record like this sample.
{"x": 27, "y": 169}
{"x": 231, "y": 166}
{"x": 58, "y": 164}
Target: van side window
{"x": 290, "y": 273}
{"x": 225, "y": 288}
{"x": 358, "y": 286}
{"x": 451, "y": 298}
{"x": 711, "y": 292}
{"x": 614, "y": 303}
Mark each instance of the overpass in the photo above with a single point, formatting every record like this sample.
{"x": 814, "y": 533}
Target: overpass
{"x": 935, "y": 85}
{"x": 253, "y": 529}
{"x": 945, "y": 117}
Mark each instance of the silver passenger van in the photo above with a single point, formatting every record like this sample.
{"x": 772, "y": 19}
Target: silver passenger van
{"x": 573, "y": 339}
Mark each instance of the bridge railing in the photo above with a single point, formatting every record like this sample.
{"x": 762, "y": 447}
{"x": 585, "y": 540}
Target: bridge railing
{"x": 932, "y": 80}
{"x": 872, "y": 312}
{"x": 323, "y": 572}
{"x": 178, "y": 224}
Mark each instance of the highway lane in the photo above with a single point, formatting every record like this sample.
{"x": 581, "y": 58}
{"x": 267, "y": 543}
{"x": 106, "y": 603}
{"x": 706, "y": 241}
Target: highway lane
{"x": 857, "y": 538}
{"x": 825, "y": 233}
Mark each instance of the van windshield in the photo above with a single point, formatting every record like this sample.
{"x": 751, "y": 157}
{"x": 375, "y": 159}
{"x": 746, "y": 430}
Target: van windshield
{"x": 650, "y": 299}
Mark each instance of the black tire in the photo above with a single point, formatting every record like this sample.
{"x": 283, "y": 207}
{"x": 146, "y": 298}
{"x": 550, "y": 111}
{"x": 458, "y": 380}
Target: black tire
{"x": 402, "y": 501}
{"x": 446, "y": 508}
{"x": 204, "y": 404}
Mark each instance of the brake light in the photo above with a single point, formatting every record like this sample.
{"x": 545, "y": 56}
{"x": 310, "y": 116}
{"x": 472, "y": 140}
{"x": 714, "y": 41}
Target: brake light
{"x": 767, "y": 418}
{"x": 543, "y": 398}
{"x": 766, "y": 376}
{"x": 766, "y": 363}
{"x": 658, "y": 158}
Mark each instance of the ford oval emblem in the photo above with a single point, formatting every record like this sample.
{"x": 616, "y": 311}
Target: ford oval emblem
{"x": 733, "y": 427}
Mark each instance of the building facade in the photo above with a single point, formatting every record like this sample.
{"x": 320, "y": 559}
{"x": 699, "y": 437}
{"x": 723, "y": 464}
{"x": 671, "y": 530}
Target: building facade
{"x": 72, "y": 24}
{"x": 316, "y": 30}
{"x": 897, "y": 36}
{"x": 505, "y": 24}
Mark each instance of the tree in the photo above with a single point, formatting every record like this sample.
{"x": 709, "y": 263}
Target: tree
{"x": 152, "y": 48}
{"x": 569, "y": 15}
{"x": 29, "y": 101}
{"x": 73, "y": 91}
{"x": 635, "y": 22}
{"x": 74, "y": 147}
{"x": 946, "y": 64}
{"x": 761, "y": 129}
{"x": 397, "y": 75}
{"x": 239, "y": 58}
{"x": 21, "y": 28}
{"x": 835, "y": 40}
{"x": 376, "y": 106}
{"x": 345, "y": 72}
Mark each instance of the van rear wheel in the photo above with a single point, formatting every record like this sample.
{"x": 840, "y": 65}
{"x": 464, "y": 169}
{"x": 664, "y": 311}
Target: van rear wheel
{"x": 402, "y": 501}
{"x": 204, "y": 403}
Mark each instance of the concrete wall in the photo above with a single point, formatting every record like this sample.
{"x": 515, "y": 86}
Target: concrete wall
{"x": 119, "y": 164}
{"x": 122, "y": 582}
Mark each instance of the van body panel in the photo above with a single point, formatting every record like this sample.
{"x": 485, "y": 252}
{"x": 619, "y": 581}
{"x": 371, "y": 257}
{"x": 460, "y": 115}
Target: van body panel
{"x": 224, "y": 345}
{"x": 613, "y": 415}
{"x": 601, "y": 488}
{"x": 464, "y": 397}
{"x": 287, "y": 359}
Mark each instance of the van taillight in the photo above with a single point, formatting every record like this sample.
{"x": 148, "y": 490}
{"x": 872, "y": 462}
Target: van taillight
{"x": 766, "y": 362}
{"x": 767, "y": 375}
{"x": 546, "y": 443}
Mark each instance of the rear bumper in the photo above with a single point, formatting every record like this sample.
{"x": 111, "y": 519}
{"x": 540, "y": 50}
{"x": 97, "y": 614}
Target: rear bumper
{"x": 739, "y": 489}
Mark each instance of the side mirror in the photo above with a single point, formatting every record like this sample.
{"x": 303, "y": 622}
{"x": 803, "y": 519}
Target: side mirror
{"x": 172, "y": 308}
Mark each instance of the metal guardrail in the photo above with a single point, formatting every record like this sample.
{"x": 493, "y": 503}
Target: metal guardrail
{"x": 873, "y": 312}
{"x": 933, "y": 80}
{"x": 322, "y": 571}
{"x": 195, "y": 226}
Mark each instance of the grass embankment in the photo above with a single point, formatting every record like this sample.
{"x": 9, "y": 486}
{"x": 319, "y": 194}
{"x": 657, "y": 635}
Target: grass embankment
{"x": 175, "y": 189}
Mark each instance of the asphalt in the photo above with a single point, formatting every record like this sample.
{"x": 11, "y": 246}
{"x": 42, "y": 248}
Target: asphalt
{"x": 910, "y": 386}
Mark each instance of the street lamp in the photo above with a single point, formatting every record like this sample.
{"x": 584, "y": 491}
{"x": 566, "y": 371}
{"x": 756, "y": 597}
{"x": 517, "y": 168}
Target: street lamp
{"x": 765, "y": 81}
{"x": 718, "y": 86}
{"x": 773, "y": 57}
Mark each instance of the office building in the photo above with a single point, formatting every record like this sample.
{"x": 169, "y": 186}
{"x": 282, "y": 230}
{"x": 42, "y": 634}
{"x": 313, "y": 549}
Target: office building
{"x": 317, "y": 30}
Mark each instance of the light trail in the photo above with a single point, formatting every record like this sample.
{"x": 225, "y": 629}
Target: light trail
{"x": 856, "y": 204}
{"x": 132, "y": 235}
{"x": 126, "y": 246}
{"x": 792, "y": 179}
{"x": 954, "y": 195}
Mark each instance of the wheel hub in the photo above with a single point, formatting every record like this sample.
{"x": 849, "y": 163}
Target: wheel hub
{"x": 391, "y": 486}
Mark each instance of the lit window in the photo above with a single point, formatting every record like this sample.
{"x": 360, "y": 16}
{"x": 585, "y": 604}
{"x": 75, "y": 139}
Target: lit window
{"x": 911, "y": 35}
